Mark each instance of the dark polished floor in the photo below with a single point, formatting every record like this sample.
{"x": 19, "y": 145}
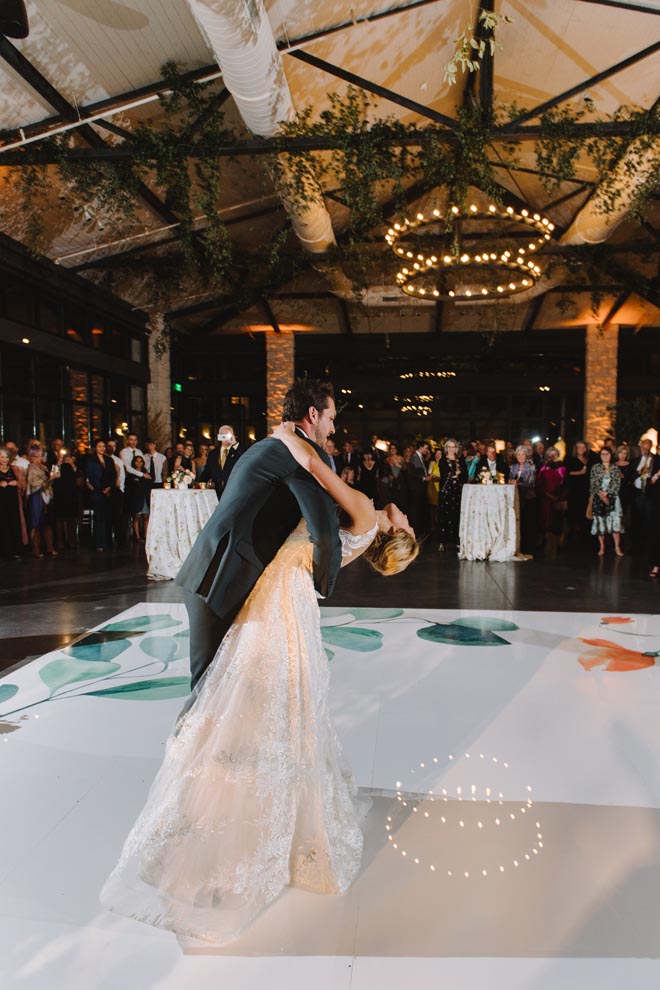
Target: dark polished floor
{"x": 45, "y": 604}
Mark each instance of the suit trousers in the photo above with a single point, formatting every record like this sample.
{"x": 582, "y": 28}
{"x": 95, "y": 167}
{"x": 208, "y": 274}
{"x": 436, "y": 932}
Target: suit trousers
{"x": 207, "y": 630}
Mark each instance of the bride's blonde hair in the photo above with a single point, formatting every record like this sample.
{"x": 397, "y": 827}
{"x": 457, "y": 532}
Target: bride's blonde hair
{"x": 390, "y": 553}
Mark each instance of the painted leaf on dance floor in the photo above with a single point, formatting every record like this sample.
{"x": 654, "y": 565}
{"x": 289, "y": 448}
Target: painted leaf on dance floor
{"x": 7, "y": 691}
{"x": 453, "y": 635}
{"x": 613, "y": 657}
{"x": 329, "y": 654}
{"x": 69, "y": 670}
{"x": 142, "y": 623}
{"x": 157, "y": 689}
{"x": 485, "y": 622}
{"x": 360, "y": 640}
{"x": 165, "y": 648}
{"x": 98, "y": 646}
{"x": 376, "y": 613}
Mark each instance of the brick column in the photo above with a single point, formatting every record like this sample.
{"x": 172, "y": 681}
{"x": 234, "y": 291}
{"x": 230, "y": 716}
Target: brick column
{"x": 280, "y": 360}
{"x": 159, "y": 416}
{"x": 601, "y": 361}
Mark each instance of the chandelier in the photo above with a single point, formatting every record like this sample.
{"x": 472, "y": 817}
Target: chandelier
{"x": 468, "y": 255}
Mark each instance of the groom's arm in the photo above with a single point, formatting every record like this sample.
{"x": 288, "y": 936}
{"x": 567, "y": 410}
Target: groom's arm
{"x": 320, "y": 514}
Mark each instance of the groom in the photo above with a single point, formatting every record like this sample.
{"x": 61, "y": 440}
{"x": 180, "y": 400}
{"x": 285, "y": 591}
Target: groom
{"x": 264, "y": 499}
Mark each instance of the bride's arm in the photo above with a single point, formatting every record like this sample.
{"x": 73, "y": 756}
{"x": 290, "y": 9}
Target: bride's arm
{"x": 355, "y": 504}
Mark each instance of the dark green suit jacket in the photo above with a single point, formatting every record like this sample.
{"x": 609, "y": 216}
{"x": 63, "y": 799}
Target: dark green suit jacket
{"x": 265, "y": 497}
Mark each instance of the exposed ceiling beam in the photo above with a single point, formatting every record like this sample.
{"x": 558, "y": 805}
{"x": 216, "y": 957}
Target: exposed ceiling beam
{"x": 620, "y": 301}
{"x": 114, "y": 104}
{"x": 636, "y": 7}
{"x": 371, "y": 87}
{"x": 344, "y": 316}
{"x": 45, "y": 89}
{"x": 533, "y": 312}
{"x": 265, "y": 308}
{"x": 581, "y": 87}
{"x": 286, "y": 45}
{"x": 110, "y": 260}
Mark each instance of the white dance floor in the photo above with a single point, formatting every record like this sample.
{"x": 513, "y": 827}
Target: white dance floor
{"x": 514, "y": 764}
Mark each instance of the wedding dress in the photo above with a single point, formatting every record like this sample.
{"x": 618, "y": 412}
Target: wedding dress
{"x": 252, "y": 795}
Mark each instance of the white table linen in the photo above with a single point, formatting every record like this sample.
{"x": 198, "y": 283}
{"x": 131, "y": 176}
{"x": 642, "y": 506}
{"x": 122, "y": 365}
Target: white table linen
{"x": 177, "y": 516}
{"x": 489, "y": 526}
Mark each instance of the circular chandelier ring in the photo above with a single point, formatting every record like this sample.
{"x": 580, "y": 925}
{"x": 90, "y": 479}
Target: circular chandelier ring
{"x": 518, "y": 278}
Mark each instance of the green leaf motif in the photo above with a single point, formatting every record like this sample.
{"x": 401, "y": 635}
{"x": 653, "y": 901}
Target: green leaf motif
{"x": 452, "y": 635}
{"x": 142, "y": 623}
{"x": 59, "y": 673}
{"x": 158, "y": 689}
{"x": 329, "y": 654}
{"x": 165, "y": 648}
{"x": 486, "y": 622}
{"x": 376, "y": 613}
{"x": 359, "y": 640}
{"x": 7, "y": 691}
{"x": 97, "y": 646}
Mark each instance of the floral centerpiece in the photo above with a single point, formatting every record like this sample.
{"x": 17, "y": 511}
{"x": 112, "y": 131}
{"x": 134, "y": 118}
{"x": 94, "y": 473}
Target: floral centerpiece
{"x": 487, "y": 477}
{"x": 180, "y": 479}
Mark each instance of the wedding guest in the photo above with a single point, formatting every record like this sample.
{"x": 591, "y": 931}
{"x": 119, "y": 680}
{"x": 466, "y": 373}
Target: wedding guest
{"x": 349, "y": 457}
{"x": 539, "y": 455}
{"x": 66, "y": 503}
{"x": 578, "y": 467}
{"x": 129, "y": 453}
{"x": 492, "y": 462}
{"x": 39, "y": 497}
{"x": 622, "y": 461}
{"x": 433, "y": 487}
{"x": 396, "y": 472}
{"x": 139, "y": 495}
{"x": 100, "y": 480}
{"x": 185, "y": 461}
{"x": 417, "y": 475}
{"x": 368, "y": 476}
{"x": 654, "y": 533}
{"x": 118, "y": 499}
{"x": 348, "y": 477}
{"x": 155, "y": 464}
{"x": 552, "y": 487}
{"x": 169, "y": 457}
{"x": 334, "y": 455}
{"x": 523, "y": 476}
{"x": 472, "y": 456}
{"x": 220, "y": 463}
{"x": 12, "y": 525}
{"x": 18, "y": 460}
{"x": 453, "y": 475}
{"x": 605, "y": 485}
{"x": 200, "y": 460}
{"x": 641, "y": 469}
{"x": 54, "y": 457}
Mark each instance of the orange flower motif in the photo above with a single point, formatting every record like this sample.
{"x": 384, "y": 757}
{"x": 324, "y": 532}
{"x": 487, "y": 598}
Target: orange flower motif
{"x": 615, "y": 657}
{"x": 611, "y": 620}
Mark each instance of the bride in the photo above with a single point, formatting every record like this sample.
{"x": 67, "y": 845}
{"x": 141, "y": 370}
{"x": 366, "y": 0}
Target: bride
{"x": 252, "y": 794}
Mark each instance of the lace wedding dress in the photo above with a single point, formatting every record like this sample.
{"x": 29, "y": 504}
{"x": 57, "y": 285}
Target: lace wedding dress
{"x": 252, "y": 794}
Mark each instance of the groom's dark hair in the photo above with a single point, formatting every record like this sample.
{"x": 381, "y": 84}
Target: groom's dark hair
{"x": 306, "y": 392}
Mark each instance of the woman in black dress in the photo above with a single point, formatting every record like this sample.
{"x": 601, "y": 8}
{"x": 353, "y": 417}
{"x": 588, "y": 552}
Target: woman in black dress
{"x": 577, "y": 474}
{"x": 11, "y": 538}
{"x": 66, "y": 502}
{"x": 100, "y": 478}
{"x": 453, "y": 475}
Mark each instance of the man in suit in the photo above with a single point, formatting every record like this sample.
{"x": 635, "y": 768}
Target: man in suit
{"x": 221, "y": 460}
{"x": 155, "y": 464}
{"x": 349, "y": 458}
{"x": 641, "y": 470}
{"x": 418, "y": 488}
{"x": 262, "y": 503}
{"x": 493, "y": 462}
{"x": 334, "y": 455}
